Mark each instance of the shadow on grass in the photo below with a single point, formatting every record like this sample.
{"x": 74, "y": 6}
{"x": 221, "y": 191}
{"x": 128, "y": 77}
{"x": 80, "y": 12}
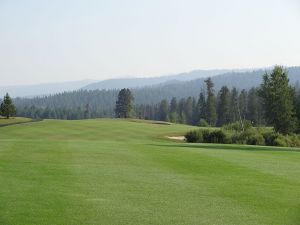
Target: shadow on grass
{"x": 229, "y": 147}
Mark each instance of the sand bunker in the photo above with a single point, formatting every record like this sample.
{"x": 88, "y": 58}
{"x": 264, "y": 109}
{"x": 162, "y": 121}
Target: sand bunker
{"x": 178, "y": 138}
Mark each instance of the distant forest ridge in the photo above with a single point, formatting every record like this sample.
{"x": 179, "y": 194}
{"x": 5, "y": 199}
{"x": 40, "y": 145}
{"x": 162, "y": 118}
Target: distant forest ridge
{"x": 117, "y": 83}
{"x": 149, "y": 81}
{"x": 101, "y": 103}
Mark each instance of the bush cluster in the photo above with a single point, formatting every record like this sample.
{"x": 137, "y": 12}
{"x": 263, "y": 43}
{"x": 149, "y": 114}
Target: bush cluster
{"x": 233, "y": 134}
{"x": 206, "y": 136}
{"x": 203, "y": 123}
{"x": 276, "y": 139}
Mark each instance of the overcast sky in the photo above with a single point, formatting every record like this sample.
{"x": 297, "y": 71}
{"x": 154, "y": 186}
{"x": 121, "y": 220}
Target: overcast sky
{"x": 60, "y": 40}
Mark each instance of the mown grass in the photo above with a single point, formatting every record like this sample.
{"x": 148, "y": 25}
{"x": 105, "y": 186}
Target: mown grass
{"x": 123, "y": 172}
{"x": 13, "y": 120}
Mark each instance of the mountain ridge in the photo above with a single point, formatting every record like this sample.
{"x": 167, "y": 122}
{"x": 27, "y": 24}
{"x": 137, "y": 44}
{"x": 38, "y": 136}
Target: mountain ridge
{"x": 240, "y": 78}
{"x": 137, "y": 82}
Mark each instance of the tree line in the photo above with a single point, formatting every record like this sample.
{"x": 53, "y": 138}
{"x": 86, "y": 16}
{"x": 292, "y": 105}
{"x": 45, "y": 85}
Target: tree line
{"x": 274, "y": 103}
{"x": 210, "y": 107}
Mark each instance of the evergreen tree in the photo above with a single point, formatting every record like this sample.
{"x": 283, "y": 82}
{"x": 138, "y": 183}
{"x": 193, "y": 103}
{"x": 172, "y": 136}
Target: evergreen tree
{"x": 173, "y": 105}
{"x": 297, "y": 102}
{"x": 252, "y": 106}
{"x": 173, "y": 117}
{"x": 181, "y": 111}
{"x": 243, "y": 103}
{"x": 278, "y": 101}
{"x": 188, "y": 110}
{"x": 141, "y": 111}
{"x": 201, "y": 106}
{"x": 7, "y": 107}
{"x": 211, "y": 112}
{"x": 234, "y": 112}
{"x": 163, "y": 110}
{"x": 224, "y": 106}
{"x": 87, "y": 111}
{"x": 124, "y": 104}
{"x": 195, "y": 117}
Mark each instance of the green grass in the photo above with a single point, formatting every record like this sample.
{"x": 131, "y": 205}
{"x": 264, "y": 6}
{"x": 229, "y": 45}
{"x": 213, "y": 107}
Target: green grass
{"x": 126, "y": 172}
{"x": 13, "y": 120}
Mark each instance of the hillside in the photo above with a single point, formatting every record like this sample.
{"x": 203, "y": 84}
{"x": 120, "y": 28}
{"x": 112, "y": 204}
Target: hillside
{"x": 124, "y": 172}
{"x": 179, "y": 85}
{"x": 149, "y": 81}
{"x": 101, "y": 103}
{"x": 42, "y": 89}
{"x": 183, "y": 89}
{"x": 242, "y": 79}
{"x": 59, "y": 87}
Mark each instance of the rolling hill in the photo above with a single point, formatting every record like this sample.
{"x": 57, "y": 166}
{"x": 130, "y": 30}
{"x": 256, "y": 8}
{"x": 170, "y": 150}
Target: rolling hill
{"x": 149, "y": 81}
{"x": 242, "y": 79}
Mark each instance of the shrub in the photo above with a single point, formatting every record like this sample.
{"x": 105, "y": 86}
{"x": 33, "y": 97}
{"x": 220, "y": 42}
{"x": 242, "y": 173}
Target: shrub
{"x": 203, "y": 123}
{"x": 194, "y": 136}
{"x": 238, "y": 127}
{"x": 275, "y": 139}
{"x": 292, "y": 140}
{"x": 250, "y": 137}
{"x": 206, "y": 136}
{"x": 295, "y": 140}
{"x": 214, "y": 136}
{"x": 254, "y": 138}
{"x": 237, "y": 139}
{"x": 218, "y": 136}
{"x": 281, "y": 141}
{"x": 270, "y": 138}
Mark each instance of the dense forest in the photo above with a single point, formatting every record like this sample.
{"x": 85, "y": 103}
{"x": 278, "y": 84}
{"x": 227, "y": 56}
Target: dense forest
{"x": 278, "y": 105}
{"x": 225, "y": 107}
{"x": 94, "y": 104}
{"x": 181, "y": 102}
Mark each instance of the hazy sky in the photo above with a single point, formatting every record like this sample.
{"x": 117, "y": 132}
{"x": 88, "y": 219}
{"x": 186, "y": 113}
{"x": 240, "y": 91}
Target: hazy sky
{"x": 57, "y": 40}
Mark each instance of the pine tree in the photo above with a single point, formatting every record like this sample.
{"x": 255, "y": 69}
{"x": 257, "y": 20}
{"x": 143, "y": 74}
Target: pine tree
{"x": 211, "y": 112}
{"x": 188, "y": 110}
{"x": 124, "y": 104}
{"x": 278, "y": 101}
{"x": 173, "y": 105}
{"x": 243, "y": 103}
{"x": 87, "y": 111}
{"x": 234, "y": 108}
{"x": 201, "y": 106}
{"x": 173, "y": 117}
{"x": 7, "y": 107}
{"x": 163, "y": 110}
{"x": 195, "y": 117}
{"x": 181, "y": 111}
{"x": 252, "y": 106}
{"x": 297, "y": 102}
{"x": 224, "y": 106}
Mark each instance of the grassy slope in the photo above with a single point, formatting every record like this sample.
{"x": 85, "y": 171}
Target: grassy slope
{"x": 13, "y": 120}
{"x": 120, "y": 172}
